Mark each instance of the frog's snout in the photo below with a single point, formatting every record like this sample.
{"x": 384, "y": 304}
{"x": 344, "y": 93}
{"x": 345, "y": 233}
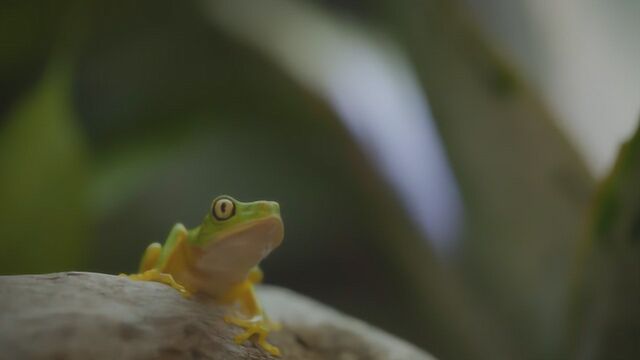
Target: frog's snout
{"x": 271, "y": 207}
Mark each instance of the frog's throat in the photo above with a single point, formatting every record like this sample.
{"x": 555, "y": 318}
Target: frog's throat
{"x": 218, "y": 266}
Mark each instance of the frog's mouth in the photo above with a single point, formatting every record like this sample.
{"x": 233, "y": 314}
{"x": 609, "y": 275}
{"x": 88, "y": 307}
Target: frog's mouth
{"x": 230, "y": 258}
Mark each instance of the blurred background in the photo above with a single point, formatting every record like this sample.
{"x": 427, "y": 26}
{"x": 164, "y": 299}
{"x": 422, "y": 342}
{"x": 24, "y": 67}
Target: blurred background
{"x": 435, "y": 161}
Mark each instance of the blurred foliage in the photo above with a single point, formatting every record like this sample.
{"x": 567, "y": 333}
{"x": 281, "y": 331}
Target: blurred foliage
{"x": 525, "y": 187}
{"x": 43, "y": 185}
{"x": 608, "y": 291}
{"x": 153, "y": 111}
{"x": 27, "y": 33}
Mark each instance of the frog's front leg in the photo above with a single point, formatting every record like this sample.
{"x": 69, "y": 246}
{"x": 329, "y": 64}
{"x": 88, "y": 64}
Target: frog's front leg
{"x": 257, "y": 322}
{"x": 156, "y": 257}
{"x": 150, "y": 257}
{"x": 156, "y": 275}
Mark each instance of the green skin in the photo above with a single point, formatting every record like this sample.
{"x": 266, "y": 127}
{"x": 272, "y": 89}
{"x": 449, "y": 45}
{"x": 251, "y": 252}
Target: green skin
{"x": 220, "y": 259}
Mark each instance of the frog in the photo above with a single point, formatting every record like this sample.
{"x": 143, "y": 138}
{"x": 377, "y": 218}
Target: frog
{"x": 219, "y": 259}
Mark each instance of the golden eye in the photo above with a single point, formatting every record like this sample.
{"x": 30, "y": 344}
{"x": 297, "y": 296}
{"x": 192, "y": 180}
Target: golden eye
{"x": 223, "y": 209}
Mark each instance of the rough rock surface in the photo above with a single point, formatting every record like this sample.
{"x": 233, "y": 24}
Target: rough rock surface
{"x": 78, "y": 315}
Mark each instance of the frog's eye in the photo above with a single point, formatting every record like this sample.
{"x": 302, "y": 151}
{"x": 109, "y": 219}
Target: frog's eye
{"x": 223, "y": 209}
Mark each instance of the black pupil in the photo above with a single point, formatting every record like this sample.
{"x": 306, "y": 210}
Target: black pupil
{"x": 223, "y": 207}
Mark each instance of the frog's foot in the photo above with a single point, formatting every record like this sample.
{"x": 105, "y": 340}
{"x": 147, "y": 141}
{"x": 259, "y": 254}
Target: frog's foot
{"x": 156, "y": 275}
{"x": 257, "y": 326}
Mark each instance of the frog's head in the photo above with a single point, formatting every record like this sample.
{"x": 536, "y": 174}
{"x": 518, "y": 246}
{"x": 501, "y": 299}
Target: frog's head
{"x": 235, "y": 236}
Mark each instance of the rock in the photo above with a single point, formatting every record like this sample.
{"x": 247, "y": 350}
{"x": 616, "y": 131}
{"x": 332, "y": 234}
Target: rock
{"x": 77, "y": 315}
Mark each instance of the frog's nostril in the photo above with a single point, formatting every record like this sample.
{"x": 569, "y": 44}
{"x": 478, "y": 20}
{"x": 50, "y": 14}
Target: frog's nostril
{"x": 273, "y": 207}
{"x": 269, "y": 207}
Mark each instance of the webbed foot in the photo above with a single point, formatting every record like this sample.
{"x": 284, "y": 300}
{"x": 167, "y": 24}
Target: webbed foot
{"x": 256, "y": 326}
{"x": 156, "y": 275}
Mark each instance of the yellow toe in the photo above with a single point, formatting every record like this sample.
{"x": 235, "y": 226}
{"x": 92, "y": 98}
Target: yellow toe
{"x": 258, "y": 327}
{"x": 156, "y": 275}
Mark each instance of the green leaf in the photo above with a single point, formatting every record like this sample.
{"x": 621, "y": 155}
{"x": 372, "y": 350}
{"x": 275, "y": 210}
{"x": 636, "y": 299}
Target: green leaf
{"x": 611, "y": 263}
{"x": 42, "y": 185}
{"x": 524, "y": 185}
{"x": 27, "y": 33}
